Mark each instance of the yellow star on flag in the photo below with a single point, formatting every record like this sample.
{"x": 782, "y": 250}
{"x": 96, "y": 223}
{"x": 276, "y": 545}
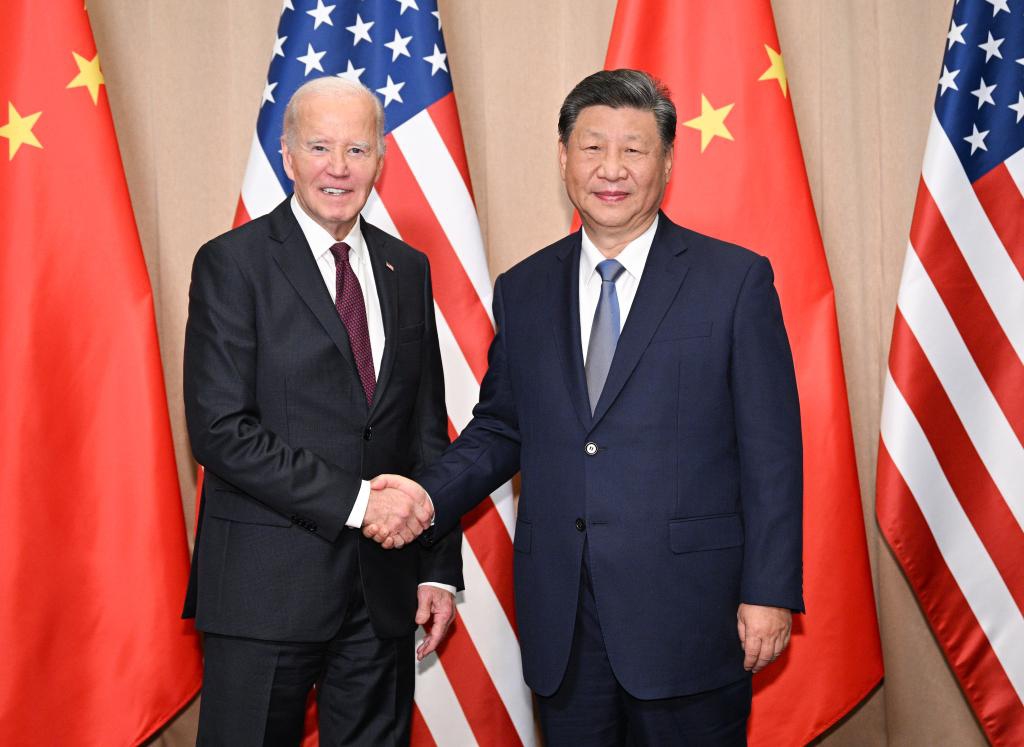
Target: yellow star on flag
{"x": 89, "y": 75}
{"x": 18, "y": 130}
{"x": 776, "y": 71}
{"x": 711, "y": 122}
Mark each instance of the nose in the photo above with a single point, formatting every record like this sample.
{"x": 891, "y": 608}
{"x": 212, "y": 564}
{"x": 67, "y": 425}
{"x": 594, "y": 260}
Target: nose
{"x": 337, "y": 164}
{"x": 612, "y": 166}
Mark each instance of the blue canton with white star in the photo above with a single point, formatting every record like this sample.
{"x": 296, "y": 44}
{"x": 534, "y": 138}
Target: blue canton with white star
{"x": 393, "y": 47}
{"x": 980, "y": 99}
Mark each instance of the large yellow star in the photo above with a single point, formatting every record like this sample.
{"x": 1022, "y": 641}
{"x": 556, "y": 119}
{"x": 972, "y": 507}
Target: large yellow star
{"x": 711, "y": 122}
{"x": 89, "y": 75}
{"x": 776, "y": 71}
{"x": 18, "y": 130}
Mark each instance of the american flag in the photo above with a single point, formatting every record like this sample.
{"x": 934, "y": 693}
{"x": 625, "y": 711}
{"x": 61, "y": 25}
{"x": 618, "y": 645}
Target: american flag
{"x": 473, "y": 692}
{"x": 951, "y": 459}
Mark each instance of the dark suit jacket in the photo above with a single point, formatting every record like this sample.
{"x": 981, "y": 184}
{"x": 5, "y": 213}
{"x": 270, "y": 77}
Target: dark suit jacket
{"x": 684, "y": 486}
{"x": 277, "y": 416}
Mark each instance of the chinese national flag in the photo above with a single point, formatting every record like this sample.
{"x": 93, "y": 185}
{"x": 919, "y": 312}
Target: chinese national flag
{"x": 93, "y": 556}
{"x": 739, "y": 176}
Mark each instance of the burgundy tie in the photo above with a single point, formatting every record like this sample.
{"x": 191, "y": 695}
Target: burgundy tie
{"x": 352, "y": 310}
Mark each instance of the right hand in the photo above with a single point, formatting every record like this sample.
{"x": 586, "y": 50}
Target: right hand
{"x": 398, "y": 511}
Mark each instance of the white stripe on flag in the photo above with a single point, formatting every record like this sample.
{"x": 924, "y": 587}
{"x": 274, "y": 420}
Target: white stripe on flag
{"x": 461, "y": 390}
{"x": 989, "y": 261}
{"x": 261, "y": 191}
{"x": 439, "y": 704}
{"x": 1015, "y": 165}
{"x": 375, "y": 212}
{"x": 961, "y": 548}
{"x": 983, "y": 419}
{"x": 442, "y": 184}
{"x": 497, "y": 644}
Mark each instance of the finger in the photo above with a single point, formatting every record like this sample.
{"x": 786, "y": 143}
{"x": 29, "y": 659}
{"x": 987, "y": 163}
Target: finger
{"x": 379, "y": 482}
{"x": 399, "y": 543}
{"x": 423, "y": 514}
{"x": 751, "y": 651}
{"x": 765, "y": 657}
{"x": 429, "y": 644}
{"x": 370, "y": 530}
{"x": 388, "y": 542}
{"x": 423, "y": 610}
{"x": 779, "y": 647}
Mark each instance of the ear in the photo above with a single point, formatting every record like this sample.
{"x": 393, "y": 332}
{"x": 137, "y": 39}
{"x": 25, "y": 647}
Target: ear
{"x": 380, "y": 168}
{"x": 668, "y": 164}
{"x": 563, "y": 157}
{"x": 286, "y": 157}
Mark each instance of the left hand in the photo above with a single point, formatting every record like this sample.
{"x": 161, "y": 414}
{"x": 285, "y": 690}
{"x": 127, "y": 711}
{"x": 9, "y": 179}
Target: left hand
{"x": 435, "y": 613}
{"x": 764, "y": 634}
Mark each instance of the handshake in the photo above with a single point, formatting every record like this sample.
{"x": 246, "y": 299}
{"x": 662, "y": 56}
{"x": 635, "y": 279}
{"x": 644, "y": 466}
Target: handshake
{"x": 398, "y": 511}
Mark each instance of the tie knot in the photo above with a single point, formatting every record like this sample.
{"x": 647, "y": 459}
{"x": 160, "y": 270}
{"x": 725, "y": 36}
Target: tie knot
{"x": 340, "y": 251}
{"x": 609, "y": 270}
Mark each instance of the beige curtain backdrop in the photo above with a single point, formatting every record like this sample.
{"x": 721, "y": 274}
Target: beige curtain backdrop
{"x": 185, "y": 79}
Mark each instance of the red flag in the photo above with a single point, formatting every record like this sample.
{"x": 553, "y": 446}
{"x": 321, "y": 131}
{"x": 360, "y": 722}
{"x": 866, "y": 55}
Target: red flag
{"x": 93, "y": 557}
{"x": 739, "y": 176}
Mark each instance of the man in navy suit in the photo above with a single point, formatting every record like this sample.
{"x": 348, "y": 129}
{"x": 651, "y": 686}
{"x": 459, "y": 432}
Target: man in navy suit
{"x": 312, "y": 363}
{"x": 641, "y": 379}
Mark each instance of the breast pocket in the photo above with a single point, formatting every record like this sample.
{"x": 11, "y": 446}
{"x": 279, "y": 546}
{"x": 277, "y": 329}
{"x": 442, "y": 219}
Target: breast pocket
{"x": 687, "y": 331}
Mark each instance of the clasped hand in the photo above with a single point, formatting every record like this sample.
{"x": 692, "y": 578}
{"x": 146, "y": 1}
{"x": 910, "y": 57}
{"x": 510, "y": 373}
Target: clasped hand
{"x": 398, "y": 511}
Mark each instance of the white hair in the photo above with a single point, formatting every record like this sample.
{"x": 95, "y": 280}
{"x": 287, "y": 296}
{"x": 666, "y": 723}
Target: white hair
{"x": 329, "y": 85}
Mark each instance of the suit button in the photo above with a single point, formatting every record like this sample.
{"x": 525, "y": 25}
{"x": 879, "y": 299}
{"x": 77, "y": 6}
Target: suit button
{"x": 367, "y": 433}
{"x": 590, "y": 448}
{"x": 311, "y": 527}
{"x": 580, "y": 525}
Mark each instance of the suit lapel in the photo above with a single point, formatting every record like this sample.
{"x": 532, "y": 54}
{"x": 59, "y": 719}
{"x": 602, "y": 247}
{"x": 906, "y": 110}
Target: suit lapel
{"x": 565, "y": 313}
{"x": 296, "y": 261}
{"x": 663, "y": 275}
{"x": 385, "y": 277}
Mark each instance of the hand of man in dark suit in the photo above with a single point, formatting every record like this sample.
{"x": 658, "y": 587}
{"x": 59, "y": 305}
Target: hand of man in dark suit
{"x": 395, "y": 517}
{"x": 764, "y": 634}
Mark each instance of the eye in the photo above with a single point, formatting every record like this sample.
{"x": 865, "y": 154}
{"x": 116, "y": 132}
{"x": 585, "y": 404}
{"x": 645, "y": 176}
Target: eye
{"x": 319, "y": 148}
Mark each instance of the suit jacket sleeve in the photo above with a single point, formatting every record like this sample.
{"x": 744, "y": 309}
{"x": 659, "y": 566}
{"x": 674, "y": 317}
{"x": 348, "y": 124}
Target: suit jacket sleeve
{"x": 768, "y": 436}
{"x": 441, "y": 561}
{"x": 224, "y": 425}
{"x": 486, "y": 453}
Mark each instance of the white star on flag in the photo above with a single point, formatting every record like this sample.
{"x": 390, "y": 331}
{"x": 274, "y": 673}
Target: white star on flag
{"x": 991, "y": 47}
{"x": 399, "y": 46}
{"x": 287, "y": 5}
{"x": 279, "y": 46}
{"x": 948, "y": 80}
{"x": 268, "y": 93}
{"x": 406, "y": 4}
{"x": 984, "y": 93}
{"x": 977, "y": 139}
{"x": 437, "y": 14}
{"x": 437, "y": 61}
{"x": 998, "y": 5}
{"x": 390, "y": 91}
{"x": 321, "y": 14}
{"x": 312, "y": 59}
{"x": 1019, "y": 106}
{"x": 360, "y": 31}
{"x": 352, "y": 73}
{"x": 956, "y": 34}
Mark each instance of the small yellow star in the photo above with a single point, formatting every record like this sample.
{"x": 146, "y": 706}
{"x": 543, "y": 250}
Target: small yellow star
{"x": 711, "y": 122}
{"x": 89, "y": 75}
{"x": 18, "y": 130}
{"x": 776, "y": 71}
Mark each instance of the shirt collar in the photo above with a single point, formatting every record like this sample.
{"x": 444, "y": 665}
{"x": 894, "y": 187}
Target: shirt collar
{"x": 632, "y": 258}
{"x": 320, "y": 240}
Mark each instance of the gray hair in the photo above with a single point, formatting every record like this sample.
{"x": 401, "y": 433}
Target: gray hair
{"x": 329, "y": 85}
{"x": 620, "y": 89}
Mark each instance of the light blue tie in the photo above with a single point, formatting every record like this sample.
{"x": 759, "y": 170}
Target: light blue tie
{"x": 605, "y": 333}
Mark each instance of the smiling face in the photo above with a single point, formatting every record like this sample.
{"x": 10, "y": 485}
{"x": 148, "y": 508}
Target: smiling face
{"x": 615, "y": 171}
{"x": 333, "y": 157}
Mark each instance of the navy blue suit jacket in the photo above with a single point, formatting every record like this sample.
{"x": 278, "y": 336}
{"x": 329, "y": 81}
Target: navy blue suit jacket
{"x": 684, "y": 485}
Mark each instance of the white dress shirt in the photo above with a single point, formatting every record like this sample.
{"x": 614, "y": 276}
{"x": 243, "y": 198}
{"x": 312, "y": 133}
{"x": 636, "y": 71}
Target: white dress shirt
{"x": 633, "y": 258}
{"x": 320, "y": 242}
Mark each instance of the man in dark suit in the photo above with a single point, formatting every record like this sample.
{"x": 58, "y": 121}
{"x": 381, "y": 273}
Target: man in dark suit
{"x": 312, "y": 363}
{"x": 641, "y": 379}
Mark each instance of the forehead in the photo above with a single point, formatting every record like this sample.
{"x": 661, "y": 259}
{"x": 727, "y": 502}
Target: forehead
{"x": 624, "y": 122}
{"x": 335, "y": 115}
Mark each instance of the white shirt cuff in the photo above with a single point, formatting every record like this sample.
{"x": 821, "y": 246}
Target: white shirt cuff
{"x": 447, "y": 587}
{"x": 355, "y": 518}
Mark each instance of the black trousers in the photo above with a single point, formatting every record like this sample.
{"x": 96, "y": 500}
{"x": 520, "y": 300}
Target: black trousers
{"x": 591, "y": 709}
{"x": 255, "y": 692}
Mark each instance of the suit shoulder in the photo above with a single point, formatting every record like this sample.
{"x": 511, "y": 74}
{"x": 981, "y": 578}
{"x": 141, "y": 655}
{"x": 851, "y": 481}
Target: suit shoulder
{"x": 240, "y": 240}
{"x": 528, "y": 269}
{"x": 724, "y": 254}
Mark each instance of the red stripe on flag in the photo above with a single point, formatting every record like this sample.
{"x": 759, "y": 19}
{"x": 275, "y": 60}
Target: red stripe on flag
{"x": 453, "y": 290}
{"x": 445, "y": 115}
{"x": 241, "y": 214}
{"x": 977, "y": 493}
{"x": 995, "y": 357}
{"x": 950, "y": 616}
{"x": 475, "y": 690}
{"x": 1002, "y": 202}
{"x": 420, "y": 733}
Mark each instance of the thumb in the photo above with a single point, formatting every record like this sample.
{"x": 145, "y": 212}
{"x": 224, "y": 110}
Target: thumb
{"x": 380, "y": 482}
{"x": 423, "y": 611}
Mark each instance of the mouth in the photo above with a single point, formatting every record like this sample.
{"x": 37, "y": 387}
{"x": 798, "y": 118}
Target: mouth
{"x": 611, "y": 196}
{"x": 334, "y": 191}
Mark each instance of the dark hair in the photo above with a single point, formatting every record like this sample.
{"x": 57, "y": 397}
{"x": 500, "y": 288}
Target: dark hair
{"x": 620, "y": 89}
